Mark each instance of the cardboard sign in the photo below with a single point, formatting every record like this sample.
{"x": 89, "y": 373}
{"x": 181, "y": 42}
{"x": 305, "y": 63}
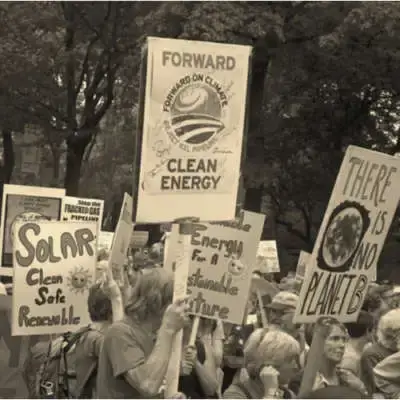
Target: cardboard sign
{"x": 267, "y": 257}
{"x": 25, "y": 203}
{"x": 139, "y": 239}
{"x": 351, "y": 237}
{"x": 194, "y": 118}
{"x": 54, "y": 267}
{"x": 302, "y": 264}
{"x": 264, "y": 287}
{"x": 222, "y": 261}
{"x": 82, "y": 210}
{"x": 14, "y": 351}
{"x": 105, "y": 241}
{"x": 122, "y": 240}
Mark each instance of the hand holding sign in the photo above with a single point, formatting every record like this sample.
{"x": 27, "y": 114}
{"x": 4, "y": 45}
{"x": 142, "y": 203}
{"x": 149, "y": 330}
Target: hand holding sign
{"x": 108, "y": 284}
{"x": 174, "y": 317}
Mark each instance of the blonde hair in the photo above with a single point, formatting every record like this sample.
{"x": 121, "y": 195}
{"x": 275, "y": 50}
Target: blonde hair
{"x": 273, "y": 347}
{"x": 388, "y": 328}
{"x": 150, "y": 295}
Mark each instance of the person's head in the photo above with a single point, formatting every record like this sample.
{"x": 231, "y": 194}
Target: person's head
{"x": 388, "y": 332}
{"x": 335, "y": 342}
{"x": 282, "y": 303}
{"x": 362, "y": 328}
{"x": 272, "y": 348}
{"x": 150, "y": 296}
{"x": 99, "y": 304}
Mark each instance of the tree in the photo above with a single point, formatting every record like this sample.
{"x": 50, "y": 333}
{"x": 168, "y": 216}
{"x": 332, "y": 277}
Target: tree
{"x": 66, "y": 57}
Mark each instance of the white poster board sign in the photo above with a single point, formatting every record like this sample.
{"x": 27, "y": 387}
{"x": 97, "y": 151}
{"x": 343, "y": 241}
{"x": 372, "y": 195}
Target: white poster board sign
{"x": 267, "y": 257}
{"x": 302, "y": 264}
{"x": 78, "y": 209}
{"x": 105, "y": 241}
{"x": 223, "y": 256}
{"x": 54, "y": 267}
{"x": 25, "y": 203}
{"x": 194, "y": 118}
{"x": 139, "y": 239}
{"x": 122, "y": 240}
{"x": 351, "y": 237}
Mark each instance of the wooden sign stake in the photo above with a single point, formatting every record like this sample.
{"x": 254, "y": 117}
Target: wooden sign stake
{"x": 180, "y": 286}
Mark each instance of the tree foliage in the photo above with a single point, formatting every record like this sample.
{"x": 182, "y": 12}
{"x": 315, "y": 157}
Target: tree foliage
{"x": 324, "y": 75}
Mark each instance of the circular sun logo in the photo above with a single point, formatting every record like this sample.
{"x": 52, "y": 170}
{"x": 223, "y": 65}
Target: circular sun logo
{"x": 79, "y": 280}
{"x": 196, "y": 114}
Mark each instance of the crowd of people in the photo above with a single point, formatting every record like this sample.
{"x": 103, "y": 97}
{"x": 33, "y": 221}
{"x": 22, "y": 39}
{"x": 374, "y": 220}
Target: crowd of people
{"x": 126, "y": 350}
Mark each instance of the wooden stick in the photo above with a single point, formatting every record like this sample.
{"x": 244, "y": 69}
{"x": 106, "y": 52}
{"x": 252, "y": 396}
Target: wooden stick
{"x": 264, "y": 320}
{"x": 313, "y": 363}
{"x": 180, "y": 288}
{"x": 195, "y": 328}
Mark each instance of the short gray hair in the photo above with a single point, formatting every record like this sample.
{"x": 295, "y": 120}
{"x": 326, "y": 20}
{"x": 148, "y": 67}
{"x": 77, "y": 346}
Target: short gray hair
{"x": 389, "y": 328}
{"x": 273, "y": 346}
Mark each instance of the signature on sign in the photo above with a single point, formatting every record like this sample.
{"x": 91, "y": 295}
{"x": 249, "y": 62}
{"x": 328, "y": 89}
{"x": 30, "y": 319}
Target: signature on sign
{"x": 216, "y": 150}
{"x": 162, "y": 151}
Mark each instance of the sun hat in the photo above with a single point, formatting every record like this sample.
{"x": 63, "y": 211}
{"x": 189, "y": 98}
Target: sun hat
{"x": 284, "y": 300}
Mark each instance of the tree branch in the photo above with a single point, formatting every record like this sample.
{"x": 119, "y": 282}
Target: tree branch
{"x": 307, "y": 222}
{"x": 291, "y": 229}
{"x": 27, "y": 105}
{"x": 90, "y": 148}
{"x": 70, "y": 65}
{"x": 96, "y": 116}
{"x": 85, "y": 65}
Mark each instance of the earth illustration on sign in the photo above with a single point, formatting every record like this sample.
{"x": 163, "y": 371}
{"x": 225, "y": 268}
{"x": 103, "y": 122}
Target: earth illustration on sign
{"x": 196, "y": 114}
{"x": 344, "y": 233}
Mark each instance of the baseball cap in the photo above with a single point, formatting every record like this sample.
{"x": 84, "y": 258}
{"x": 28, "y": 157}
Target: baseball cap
{"x": 284, "y": 300}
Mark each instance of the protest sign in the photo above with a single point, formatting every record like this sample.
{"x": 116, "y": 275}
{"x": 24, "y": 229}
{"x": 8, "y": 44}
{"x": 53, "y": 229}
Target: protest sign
{"x": 82, "y": 210}
{"x": 54, "y": 267}
{"x": 223, "y": 256}
{"x": 122, "y": 240}
{"x": 351, "y": 237}
{"x": 264, "y": 288}
{"x": 302, "y": 264}
{"x": 139, "y": 239}
{"x": 194, "y": 118}
{"x": 25, "y": 203}
{"x": 105, "y": 241}
{"x": 267, "y": 257}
